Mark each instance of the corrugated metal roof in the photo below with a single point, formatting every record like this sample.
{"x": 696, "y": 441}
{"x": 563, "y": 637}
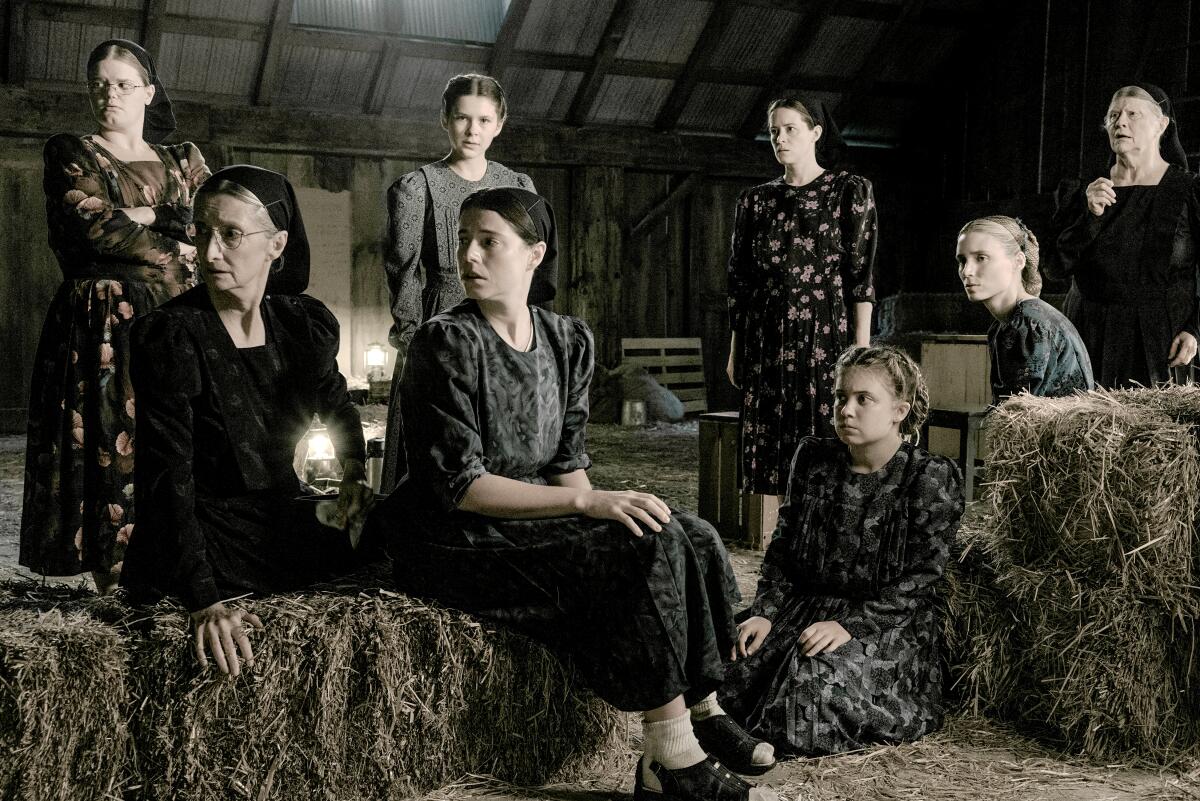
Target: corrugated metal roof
{"x": 717, "y": 107}
{"x": 320, "y": 77}
{"x": 207, "y": 65}
{"x": 635, "y": 101}
{"x": 58, "y": 51}
{"x": 417, "y": 84}
{"x": 558, "y": 26}
{"x": 920, "y": 50}
{"x": 540, "y": 94}
{"x": 134, "y": 4}
{"x": 663, "y": 30}
{"x": 258, "y": 11}
{"x": 842, "y": 45}
{"x": 754, "y": 38}
{"x": 363, "y": 15}
{"x": 459, "y": 20}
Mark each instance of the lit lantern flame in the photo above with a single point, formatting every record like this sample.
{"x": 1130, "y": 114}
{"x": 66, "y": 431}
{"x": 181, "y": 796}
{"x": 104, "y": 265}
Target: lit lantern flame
{"x": 320, "y": 447}
{"x": 376, "y": 355}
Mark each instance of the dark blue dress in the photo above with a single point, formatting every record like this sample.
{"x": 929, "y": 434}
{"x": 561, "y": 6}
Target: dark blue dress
{"x": 1037, "y": 350}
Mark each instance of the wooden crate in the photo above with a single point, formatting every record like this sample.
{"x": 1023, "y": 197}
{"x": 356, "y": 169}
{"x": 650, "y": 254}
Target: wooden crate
{"x": 958, "y": 372}
{"x": 676, "y": 363}
{"x": 737, "y": 516}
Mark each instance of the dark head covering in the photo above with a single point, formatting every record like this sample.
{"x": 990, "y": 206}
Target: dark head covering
{"x": 160, "y": 119}
{"x": 545, "y": 278}
{"x": 831, "y": 145}
{"x": 1168, "y": 145}
{"x": 289, "y": 273}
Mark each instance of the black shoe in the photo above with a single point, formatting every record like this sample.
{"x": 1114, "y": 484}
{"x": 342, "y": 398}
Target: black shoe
{"x": 728, "y": 742}
{"x": 704, "y": 781}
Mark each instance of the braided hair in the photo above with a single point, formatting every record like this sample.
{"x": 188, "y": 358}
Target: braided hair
{"x": 907, "y": 382}
{"x": 1014, "y": 237}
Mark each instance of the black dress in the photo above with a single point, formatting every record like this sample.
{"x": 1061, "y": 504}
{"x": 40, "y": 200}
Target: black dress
{"x": 1134, "y": 275}
{"x": 1037, "y": 350}
{"x": 217, "y": 428}
{"x": 645, "y": 618}
{"x": 866, "y": 550}
{"x": 802, "y": 257}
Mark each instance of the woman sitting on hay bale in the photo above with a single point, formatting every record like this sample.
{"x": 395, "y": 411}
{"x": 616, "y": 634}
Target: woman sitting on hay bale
{"x": 228, "y": 377}
{"x": 841, "y": 648}
{"x": 497, "y": 516}
{"x": 1034, "y": 348}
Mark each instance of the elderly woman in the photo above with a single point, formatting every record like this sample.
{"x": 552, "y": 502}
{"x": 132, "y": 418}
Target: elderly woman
{"x": 1130, "y": 246}
{"x": 118, "y": 204}
{"x": 498, "y": 517}
{"x": 228, "y": 377}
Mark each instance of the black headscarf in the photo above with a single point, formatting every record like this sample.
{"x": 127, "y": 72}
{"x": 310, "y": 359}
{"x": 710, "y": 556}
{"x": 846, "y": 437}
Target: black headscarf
{"x": 160, "y": 118}
{"x": 545, "y": 278}
{"x": 289, "y": 273}
{"x": 831, "y": 145}
{"x": 1168, "y": 145}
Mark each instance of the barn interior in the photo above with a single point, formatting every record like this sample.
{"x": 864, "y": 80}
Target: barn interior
{"x": 641, "y": 121}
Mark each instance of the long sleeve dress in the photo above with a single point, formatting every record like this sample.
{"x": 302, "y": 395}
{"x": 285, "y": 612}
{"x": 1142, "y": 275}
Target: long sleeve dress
{"x": 802, "y": 256}
{"x": 1037, "y": 350}
{"x": 645, "y": 618}
{"x": 217, "y": 428}
{"x": 1134, "y": 275}
{"x": 78, "y": 509}
{"x": 868, "y": 551}
{"x": 422, "y": 267}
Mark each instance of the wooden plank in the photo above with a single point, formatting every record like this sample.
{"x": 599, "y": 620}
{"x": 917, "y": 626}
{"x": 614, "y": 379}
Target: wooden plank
{"x": 589, "y": 87}
{"x": 659, "y": 343}
{"x": 17, "y": 16}
{"x": 666, "y": 205}
{"x": 686, "y": 394}
{"x": 662, "y": 361}
{"x": 718, "y": 20}
{"x": 269, "y": 67}
{"x": 153, "y": 16}
{"x": 506, "y": 38}
{"x": 385, "y": 70}
{"x": 695, "y": 406}
{"x": 597, "y": 197}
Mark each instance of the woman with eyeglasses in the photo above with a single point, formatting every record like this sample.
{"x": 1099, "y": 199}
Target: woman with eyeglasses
{"x": 118, "y": 204}
{"x": 228, "y": 376}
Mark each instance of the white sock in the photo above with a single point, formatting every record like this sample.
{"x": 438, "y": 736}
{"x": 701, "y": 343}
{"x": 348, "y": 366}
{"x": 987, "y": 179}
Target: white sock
{"x": 764, "y": 753}
{"x": 672, "y": 744}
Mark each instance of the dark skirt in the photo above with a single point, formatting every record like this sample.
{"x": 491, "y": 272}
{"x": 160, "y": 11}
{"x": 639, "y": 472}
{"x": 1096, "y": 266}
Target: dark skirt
{"x": 643, "y": 619}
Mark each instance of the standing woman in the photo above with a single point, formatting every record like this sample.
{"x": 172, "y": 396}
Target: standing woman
{"x": 1130, "y": 247}
{"x": 118, "y": 205}
{"x": 423, "y": 227}
{"x": 800, "y": 290}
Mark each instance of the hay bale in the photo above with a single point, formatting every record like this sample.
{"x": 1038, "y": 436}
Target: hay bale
{"x": 1074, "y": 605}
{"x": 62, "y": 702}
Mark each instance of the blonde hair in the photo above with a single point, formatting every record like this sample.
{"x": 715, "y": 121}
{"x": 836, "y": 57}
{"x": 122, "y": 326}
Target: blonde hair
{"x": 907, "y": 382}
{"x": 1014, "y": 237}
{"x": 223, "y": 186}
{"x": 1137, "y": 93}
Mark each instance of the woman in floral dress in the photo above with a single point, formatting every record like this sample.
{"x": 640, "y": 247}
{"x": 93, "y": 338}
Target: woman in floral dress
{"x": 800, "y": 290}
{"x": 118, "y": 205}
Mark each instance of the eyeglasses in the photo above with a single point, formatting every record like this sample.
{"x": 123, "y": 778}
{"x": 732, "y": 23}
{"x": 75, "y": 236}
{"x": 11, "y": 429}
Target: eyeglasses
{"x": 122, "y": 87}
{"x": 230, "y": 238}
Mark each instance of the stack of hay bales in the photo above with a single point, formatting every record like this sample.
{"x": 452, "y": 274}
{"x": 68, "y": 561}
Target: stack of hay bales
{"x": 365, "y": 695}
{"x": 1076, "y": 604}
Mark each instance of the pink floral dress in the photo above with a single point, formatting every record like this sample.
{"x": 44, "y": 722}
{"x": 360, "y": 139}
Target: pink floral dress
{"x": 77, "y": 513}
{"x": 802, "y": 256}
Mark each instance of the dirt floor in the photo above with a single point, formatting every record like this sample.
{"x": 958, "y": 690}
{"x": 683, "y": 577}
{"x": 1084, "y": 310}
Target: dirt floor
{"x": 969, "y": 759}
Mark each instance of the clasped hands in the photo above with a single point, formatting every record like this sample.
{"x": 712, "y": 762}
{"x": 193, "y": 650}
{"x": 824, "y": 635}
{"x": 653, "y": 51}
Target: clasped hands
{"x": 819, "y": 638}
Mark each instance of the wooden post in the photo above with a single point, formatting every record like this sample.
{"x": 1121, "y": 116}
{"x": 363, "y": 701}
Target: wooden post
{"x": 594, "y": 287}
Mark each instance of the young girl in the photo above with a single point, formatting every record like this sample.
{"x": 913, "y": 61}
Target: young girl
{"x": 841, "y": 647}
{"x": 423, "y": 227}
{"x": 498, "y": 517}
{"x": 1033, "y": 346}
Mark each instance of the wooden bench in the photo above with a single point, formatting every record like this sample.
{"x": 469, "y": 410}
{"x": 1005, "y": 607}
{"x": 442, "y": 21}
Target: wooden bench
{"x": 967, "y": 420}
{"x": 676, "y": 363}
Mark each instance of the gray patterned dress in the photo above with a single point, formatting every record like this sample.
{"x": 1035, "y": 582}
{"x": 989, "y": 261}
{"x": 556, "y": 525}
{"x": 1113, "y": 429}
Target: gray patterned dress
{"x": 867, "y": 551}
{"x": 422, "y": 271}
{"x": 646, "y": 619}
{"x": 1038, "y": 350}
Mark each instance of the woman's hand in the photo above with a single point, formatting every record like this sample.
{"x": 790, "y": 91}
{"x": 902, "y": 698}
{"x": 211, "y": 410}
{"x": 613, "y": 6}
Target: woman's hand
{"x": 731, "y": 369}
{"x": 224, "y": 631}
{"x": 1183, "y": 349}
{"x": 751, "y": 633}
{"x": 828, "y": 635}
{"x": 143, "y": 215}
{"x": 1100, "y": 195}
{"x": 626, "y": 507}
{"x": 355, "y": 496}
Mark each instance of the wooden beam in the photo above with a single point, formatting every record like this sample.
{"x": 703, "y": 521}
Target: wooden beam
{"x": 506, "y": 38}
{"x": 364, "y": 42}
{"x": 268, "y": 69}
{"x": 154, "y": 16}
{"x": 606, "y": 50}
{"x": 15, "y": 63}
{"x": 664, "y": 207}
{"x": 714, "y": 27}
{"x": 385, "y": 68}
{"x": 787, "y": 64}
{"x": 877, "y": 59}
{"x": 956, "y": 18}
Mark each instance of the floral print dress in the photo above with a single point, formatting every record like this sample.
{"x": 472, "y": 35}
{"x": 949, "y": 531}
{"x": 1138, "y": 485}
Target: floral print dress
{"x": 802, "y": 256}
{"x": 77, "y": 512}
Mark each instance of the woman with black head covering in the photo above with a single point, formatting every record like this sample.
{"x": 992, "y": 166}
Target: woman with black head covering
{"x": 228, "y": 376}
{"x": 118, "y": 204}
{"x": 1129, "y": 242}
{"x": 800, "y": 290}
{"x": 497, "y": 516}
